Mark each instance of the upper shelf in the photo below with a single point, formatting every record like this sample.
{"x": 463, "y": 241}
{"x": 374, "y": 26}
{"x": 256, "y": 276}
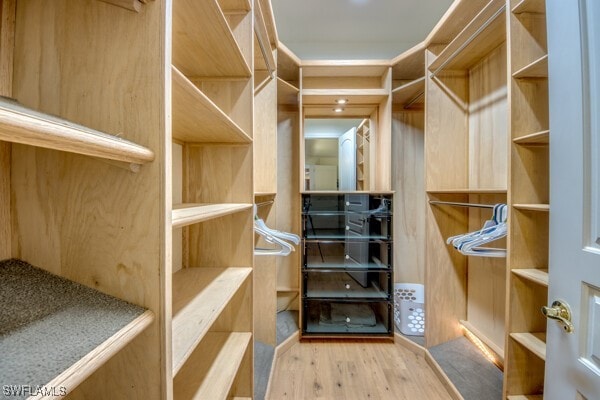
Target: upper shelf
{"x": 537, "y": 69}
{"x": 411, "y": 92}
{"x": 188, "y": 214}
{"x": 467, "y": 191}
{"x": 203, "y": 43}
{"x": 288, "y": 65}
{"x": 19, "y": 124}
{"x": 286, "y": 93}
{"x": 483, "y": 34}
{"x": 354, "y": 96}
{"x": 56, "y": 332}
{"x": 530, "y": 6}
{"x": 199, "y": 296}
{"x": 197, "y": 119}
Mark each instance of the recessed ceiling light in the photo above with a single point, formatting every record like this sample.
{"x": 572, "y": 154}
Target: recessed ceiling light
{"x": 338, "y": 110}
{"x": 341, "y": 101}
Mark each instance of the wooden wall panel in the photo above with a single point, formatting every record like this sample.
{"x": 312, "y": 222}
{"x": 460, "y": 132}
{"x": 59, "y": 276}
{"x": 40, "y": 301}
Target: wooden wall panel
{"x": 408, "y": 182}
{"x": 5, "y": 207}
{"x": 383, "y": 139}
{"x": 488, "y": 131}
{"x": 288, "y": 199}
{"x": 445, "y": 273}
{"x": 446, "y": 124}
{"x": 89, "y": 221}
{"x": 265, "y": 139}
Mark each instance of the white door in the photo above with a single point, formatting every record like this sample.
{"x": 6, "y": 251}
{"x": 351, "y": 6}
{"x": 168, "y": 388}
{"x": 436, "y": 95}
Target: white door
{"x": 347, "y": 160}
{"x": 573, "y": 359}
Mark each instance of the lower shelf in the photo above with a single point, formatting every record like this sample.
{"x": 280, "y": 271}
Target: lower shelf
{"x": 56, "y": 332}
{"x": 335, "y": 318}
{"x": 211, "y": 370}
{"x": 526, "y": 397}
{"x": 534, "y": 342}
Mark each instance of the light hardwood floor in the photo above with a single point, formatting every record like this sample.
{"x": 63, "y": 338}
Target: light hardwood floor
{"x": 353, "y": 370}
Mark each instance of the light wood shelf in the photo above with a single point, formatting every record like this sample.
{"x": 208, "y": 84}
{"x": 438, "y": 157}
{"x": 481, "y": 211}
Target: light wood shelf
{"x": 529, "y": 6}
{"x": 467, "y": 191}
{"x": 286, "y": 92}
{"x": 533, "y": 207}
{"x": 199, "y": 297}
{"x": 409, "y": 92}
{"x": 354, "y": 96}
{"x": 194, "y": 45}
{"x": 539, "y": 276}
{"x": 526, "y": 397}
{"x": 460, "y": 53}
{"x": 534, "y": 139}
{"x": 534, "y": 342}
{"x": 211, "y": 371}
{"x": 188, "y": 214}
{"x": 265, "y": 194}
{"x": 537, "y": 69}
{"x": 19, "y": 124}
{"x": 197, "y": 119}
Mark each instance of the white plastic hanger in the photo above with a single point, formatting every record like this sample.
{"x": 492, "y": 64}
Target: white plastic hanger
{"x": 275, "y": 237}
{"x": 494, "y": 229}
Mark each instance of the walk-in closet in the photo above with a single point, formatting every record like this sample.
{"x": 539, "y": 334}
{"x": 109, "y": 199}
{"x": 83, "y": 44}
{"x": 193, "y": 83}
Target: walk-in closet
{"x": 270, "y": 199}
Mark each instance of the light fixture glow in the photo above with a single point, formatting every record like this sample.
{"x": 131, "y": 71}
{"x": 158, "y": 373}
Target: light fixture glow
{"x": 341, "y": 101}
{"x": 487, "y": 352}
{"x": 338, "y": 110}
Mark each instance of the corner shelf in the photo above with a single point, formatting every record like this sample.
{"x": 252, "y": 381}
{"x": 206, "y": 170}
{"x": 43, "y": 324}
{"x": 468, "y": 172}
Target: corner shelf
{"x": 210, "y": 372}
{"x": 19, "y": 124}
{"x": 529, "y": 6}
{"x": 199, "y": 297}
{"x": 409, "y": 91}
{"x": 537, "y": 69}
{"x": 286, "y": 92}
{"x": 534, "y": 342}
{"x": 474, "y": 40}
{"x": 539, "y": 276}
{"x": 194, "y": 45}
{"x": 76, "y": 327}
{"x": 197, "y": 119}
{"x": 188, "y": 214}
{"x": 535, "y": 139}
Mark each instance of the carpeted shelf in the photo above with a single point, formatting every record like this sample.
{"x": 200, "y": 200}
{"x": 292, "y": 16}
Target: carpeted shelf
{"x": 55, "y": 332}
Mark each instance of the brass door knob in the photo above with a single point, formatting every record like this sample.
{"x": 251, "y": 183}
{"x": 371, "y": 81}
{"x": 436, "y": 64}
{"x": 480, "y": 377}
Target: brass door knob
{"x": 561, "y": 312}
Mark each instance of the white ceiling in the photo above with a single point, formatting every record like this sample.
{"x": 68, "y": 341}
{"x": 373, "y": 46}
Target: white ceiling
{"x": 355, "y": 29}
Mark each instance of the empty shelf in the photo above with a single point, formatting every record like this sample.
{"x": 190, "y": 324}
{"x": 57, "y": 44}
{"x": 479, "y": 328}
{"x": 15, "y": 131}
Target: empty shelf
{"x": 537, "y": 69}
{"x": 235, "y": 6}
{"x": 199, "y": 297}
{"x": 19, "y": 124}
{"x": 533, "y": 207}
{"x": 286, "y": 92}
{"x": 534, "y": 139}
{"x": 539, "y": 276}
{"x": 526, "y": 397}
{"x": 211, "y": 370}
{"x": 534, "y": 342}
{"x": 410, "y": 92}
{"x": 197, "y": 119}
{"x": 475, "y": 40}
{"x": 354, "y": 96}
{"x": 203, "y": 43}
{"x": 56, "y": 332}
{"x": 530, "y": 6}
{"x": 188, "y": 214}
{"x": 467, "y": 191}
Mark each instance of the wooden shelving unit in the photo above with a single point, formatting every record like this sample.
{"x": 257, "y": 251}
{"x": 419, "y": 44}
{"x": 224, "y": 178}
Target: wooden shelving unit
{"x": 354, "y": 96}
{"x": 410, "y": 93}
{"x": 363, "y": 156}
{"x": 212, "y": 369}
{"x": 286, "y": 92}
{"x": 466, "y": 154}
{"x": 214, "y": 101}
{"x": 199, "y": 296}
{"x": 529, "y": 201}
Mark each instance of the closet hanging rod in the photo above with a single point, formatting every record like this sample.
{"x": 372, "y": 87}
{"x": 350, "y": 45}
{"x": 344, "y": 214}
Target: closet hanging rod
{"x": 469, "y": 40}
{"x": 452, "y": 203}
{"x": 263, "y": 51}
{"x": 414, "y": 100}
{"x": 265, "y": 203}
